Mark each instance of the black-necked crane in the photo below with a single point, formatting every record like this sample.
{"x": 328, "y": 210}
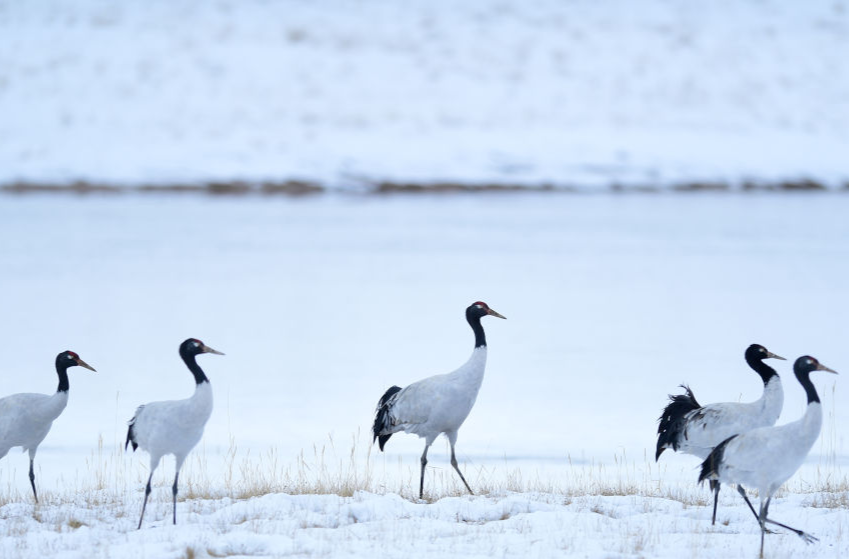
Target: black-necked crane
{"x": 437, "y": 404}
{"x": 688, "y": 427}
{"x": 25, "y": 419}
{"x": 765, "y": 458}
{"x": 175, "y": 426}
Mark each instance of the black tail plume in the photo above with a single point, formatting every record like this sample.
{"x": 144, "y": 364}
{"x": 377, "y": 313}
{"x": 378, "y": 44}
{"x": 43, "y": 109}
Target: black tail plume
{"x": 382, "y": 421}
{"x": 671, "y": 422}
{"x": 131, "y": 432}
{"x": 131, "y": 439}
{"x": 710, "y": 467}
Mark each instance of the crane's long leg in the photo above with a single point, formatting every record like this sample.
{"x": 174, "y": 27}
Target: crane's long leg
{"x": 174, "y": 494}
{"x": 452, "y": 438}
{"x": 762, "y": 522}
{"x": 178, "y": 463}
{"x": 146, "y": 495}
{"x": 807, "y": 538}
{"x": 32, "y": 475}
{"x": 428, "y": 442}
{"x": 714, "y": 484}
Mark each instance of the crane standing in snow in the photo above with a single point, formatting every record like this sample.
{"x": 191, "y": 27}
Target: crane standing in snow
{"x": 175, "y": 426}
{"x": 694, "y": 429}
{"x": 767, "y": 457}
{"x": 25, "y": 419}
{"x": 437, "y": 404}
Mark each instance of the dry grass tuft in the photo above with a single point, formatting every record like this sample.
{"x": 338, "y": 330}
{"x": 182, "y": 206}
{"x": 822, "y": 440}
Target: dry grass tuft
{"x": 113, "y": 483}
{"x": 73, "y": 523}
{"x": 828, "y": 500}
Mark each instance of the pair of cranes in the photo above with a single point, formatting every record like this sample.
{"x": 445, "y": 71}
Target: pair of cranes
{"x": 171, "y": 427}
{"x": 737, "y": 442}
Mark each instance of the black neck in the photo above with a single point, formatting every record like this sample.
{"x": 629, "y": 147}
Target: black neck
{"x": 62, "y": 371}
{"x": 193, "y": 366}
{"x": 475, "y": 323}
{"x": 810, "y": 391}
{"x": 765, "y": 371}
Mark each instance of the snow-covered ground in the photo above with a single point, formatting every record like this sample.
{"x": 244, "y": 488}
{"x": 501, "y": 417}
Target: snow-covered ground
{"x": 368, "y": 525}
{"x": 349, "y": 93}
{"x": 322, "y": 303}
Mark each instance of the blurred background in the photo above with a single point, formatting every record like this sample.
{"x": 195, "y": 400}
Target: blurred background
{"x": 320, "y": 189}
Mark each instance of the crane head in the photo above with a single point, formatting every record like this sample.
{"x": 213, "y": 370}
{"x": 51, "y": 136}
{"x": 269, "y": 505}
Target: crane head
{"x": 481, "y": 309}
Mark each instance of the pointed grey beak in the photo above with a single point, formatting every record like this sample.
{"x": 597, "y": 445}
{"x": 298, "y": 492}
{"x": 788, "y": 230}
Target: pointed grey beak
{"x": 207, "y": 349}
{"x": 493, "y": 313}
{"x": 774, "y": 356}
{"x": 821, "y": 367}
{"x": 82, "y": 363}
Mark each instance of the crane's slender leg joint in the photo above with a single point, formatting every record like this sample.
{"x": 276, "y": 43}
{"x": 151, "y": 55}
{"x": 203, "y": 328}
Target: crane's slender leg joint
{"x": 762, "y": 522}
{"x": 174, "y": 494}
{"x": 454, "y": 463}
{"x": 32, "y": 479}
{"x": 742, "y": 491}
{"x": 424, "y": 463}
{"x": 146, "y": 495}
{"x": 714, "y": 484}
{"x": 452, "y": 440}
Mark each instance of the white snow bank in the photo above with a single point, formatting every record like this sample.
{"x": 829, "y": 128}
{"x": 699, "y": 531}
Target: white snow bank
{"x": 347, "y": 93}
{"x": 370, "y": 525}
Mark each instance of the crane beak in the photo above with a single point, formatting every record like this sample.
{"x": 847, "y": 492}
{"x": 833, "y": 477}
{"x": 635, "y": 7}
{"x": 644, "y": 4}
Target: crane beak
{"x": 493, "y": 313}
{"x": 207, "y": 349}
{"x": 774, "y": 356}
{"x": 82, "y": 363}
{"x": 821, "y": 367}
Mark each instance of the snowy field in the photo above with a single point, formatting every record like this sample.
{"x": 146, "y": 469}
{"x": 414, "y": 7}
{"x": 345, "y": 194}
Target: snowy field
{"x": 321, "y": 303}
{"x": 351, "y": 94}
{"x": 368, "y": 525}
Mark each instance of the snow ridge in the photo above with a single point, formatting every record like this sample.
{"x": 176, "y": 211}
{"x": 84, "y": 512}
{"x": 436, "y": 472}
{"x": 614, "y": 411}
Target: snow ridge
{"x": 352, "y": 94}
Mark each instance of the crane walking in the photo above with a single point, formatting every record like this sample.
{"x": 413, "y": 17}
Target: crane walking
{"x": 437, "y": 404}
{"x": 175, "y": 426}
{"x": 25, "y": 419}
{"x": 691, "y": 428}
{"x": 765, "y": 458}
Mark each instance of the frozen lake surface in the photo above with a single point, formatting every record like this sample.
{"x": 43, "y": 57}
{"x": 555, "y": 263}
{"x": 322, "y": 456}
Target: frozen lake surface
{"x": 322, "y": 303}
